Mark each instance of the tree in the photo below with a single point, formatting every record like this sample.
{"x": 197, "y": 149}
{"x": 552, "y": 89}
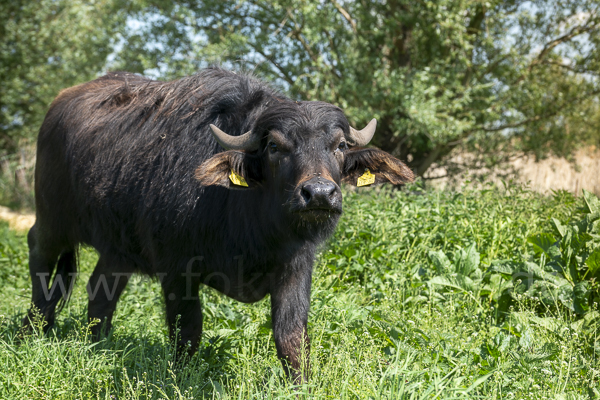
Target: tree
{"x": 493, "y": 77}
{"x": 46, "y": 46}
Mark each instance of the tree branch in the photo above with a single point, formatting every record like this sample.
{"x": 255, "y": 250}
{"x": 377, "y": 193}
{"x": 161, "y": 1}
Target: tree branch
{"x": 538, "y": 117}
{"x": 570, "y": 68}
{"x": 345, "y": 14}
{"x": 336, "y": 53}
{"x": 282, "y": 72}
{"x": 576, "y": 31}
{"x": 431, "y": 157}
{"x": 515, "y": 124}
{"x": 297, "y": 33}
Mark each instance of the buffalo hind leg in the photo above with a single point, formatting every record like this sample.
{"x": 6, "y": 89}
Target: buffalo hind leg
{"x": 42, "y": 263}
{"x": 184, "y": 313}
{"x": 104, "y": 289}
{"x": 290, "y": 302}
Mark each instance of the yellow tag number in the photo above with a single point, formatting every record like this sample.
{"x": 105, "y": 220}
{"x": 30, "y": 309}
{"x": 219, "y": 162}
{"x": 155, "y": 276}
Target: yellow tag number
{"x": 366, "y": 179}
{"x": 237, "y": 179}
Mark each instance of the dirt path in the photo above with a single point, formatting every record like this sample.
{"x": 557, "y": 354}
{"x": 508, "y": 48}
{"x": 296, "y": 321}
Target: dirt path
{"x": 17, "y": 221}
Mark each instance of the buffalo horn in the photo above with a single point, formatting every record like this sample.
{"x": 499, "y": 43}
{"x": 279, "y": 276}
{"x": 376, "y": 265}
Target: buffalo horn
{"x": 364, "y": 136}
{"x": 248, "y": 141}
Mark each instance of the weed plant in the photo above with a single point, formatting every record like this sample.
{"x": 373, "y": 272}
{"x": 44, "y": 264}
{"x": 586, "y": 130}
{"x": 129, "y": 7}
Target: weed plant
{"x": 380, "y": 328}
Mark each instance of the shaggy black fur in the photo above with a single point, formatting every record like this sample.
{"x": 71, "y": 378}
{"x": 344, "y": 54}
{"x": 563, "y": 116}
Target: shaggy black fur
{"x": 129, "y": 166}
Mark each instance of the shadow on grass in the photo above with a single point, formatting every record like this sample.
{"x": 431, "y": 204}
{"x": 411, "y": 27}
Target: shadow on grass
{"x": 138, "y": 364}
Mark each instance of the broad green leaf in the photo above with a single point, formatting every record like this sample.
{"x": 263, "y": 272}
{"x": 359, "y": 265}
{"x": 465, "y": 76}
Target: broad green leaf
{"x": 466, "y": 261}
{"x": 565, "y": 295}
{"x": 554, "y": 253}
{"x": 485, "y": 291}
{"x": 440, "y": 262}
{"x": 550, "y": 323}
{"x": 508, "y": 342}
{"x": 465, "y": 283}
{"x": 592, "y": 226}
{"x": 533, "y": 271}
{"x": 576, "y": 241}
{"x": 506, "y": 287}
{"x": 591, "y": 322}
{"x": 496, "y": 281}
{"x": 350, "y": 252}
{"x": 581, "y": 295}
{"x": 545, "y": 292}
{"x": 593, "y": 262}
{"x": 460, "y": 282}
{"x": 591, "y": 201}
{"x": 527, "y": 338}
{"x": 506, "y": 267}
{"x": 542, "y": 242}
{"x": 562, "y": 229}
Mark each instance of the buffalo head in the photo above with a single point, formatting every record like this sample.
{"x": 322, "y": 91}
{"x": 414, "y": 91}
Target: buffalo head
{"x": 300, "y": 152}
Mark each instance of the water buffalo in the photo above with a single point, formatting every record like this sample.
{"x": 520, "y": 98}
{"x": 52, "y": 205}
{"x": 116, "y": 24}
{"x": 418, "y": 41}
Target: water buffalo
{"x": 213, "y": 179}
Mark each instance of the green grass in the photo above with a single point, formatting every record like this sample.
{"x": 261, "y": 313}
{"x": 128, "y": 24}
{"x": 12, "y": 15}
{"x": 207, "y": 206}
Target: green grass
{"x": 378, "y": 330}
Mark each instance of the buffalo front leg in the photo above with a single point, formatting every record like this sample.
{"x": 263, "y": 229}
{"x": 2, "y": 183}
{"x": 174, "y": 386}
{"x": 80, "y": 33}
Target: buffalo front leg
{"x": 45, "y": 297}
{"x": 104, "y": 289}
{"x": 184, "y": 312}
{"x": 290, "y": 302}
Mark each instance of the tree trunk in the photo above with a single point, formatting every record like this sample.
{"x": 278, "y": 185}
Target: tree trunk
{"x": 21, "y": 174}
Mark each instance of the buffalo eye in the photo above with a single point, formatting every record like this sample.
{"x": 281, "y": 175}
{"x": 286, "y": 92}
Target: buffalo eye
{"x": 342, "y": 146}
{"x": 272, "y": 147}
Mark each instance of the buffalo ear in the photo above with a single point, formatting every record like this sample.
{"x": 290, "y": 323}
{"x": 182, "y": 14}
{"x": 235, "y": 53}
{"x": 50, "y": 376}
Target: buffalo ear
{"x": 381, "y": 166}
{"x": 231, "y": 169}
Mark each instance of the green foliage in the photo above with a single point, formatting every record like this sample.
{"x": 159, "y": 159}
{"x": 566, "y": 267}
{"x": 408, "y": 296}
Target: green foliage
{"x": 408, "y": 228}
{"x": 560, "y": 271}
{"x": 380, "y": 329}
{"x": 16, "y": 179}
{"x": 13, "y": 254}
{"x": 46, "y": 46}
{"x": 463, "y": 274}
{"x": 492, "y": 77}
{"x": 564, "y": 270}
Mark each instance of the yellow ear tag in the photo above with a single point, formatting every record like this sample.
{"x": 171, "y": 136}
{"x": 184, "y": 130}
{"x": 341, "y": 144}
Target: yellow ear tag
{"x": 237, "y": 179}
{"x": 366, "y": 179}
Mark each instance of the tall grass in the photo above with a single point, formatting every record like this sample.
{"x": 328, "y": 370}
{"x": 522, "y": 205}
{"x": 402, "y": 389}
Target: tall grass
{"x": 378, "y": 329}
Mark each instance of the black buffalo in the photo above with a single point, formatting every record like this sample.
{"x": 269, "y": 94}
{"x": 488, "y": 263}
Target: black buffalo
{"x": 143, "y": 171}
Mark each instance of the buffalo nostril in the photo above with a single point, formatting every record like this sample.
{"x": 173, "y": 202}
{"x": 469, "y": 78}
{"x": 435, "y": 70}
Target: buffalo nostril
{"x": 331, "y": 189}
{"x": 306, "y": 193}
{"x": 318, "y": 193}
